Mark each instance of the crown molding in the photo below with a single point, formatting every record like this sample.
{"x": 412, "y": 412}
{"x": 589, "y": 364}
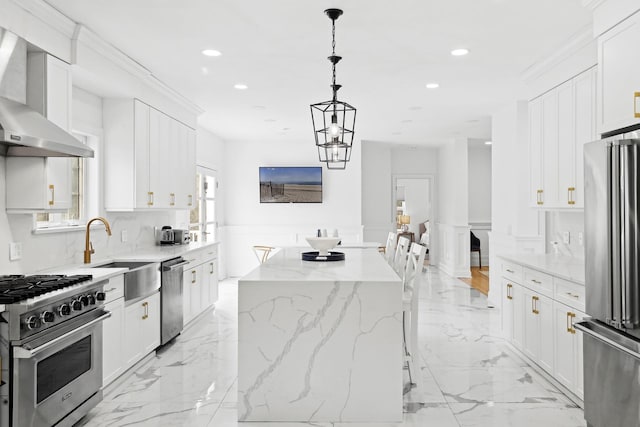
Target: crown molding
{"x": 49, "y": 15}
{"x": 592, "y": 4}
{"x": 91, "y": 40}
{"x": 580, "y": 40}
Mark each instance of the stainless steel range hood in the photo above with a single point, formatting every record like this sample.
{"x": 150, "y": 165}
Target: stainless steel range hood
{"x": 25, "y": 132}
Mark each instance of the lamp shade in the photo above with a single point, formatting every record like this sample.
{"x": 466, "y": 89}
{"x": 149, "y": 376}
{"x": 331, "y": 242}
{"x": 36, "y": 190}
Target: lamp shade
{"x": 405, "y": 219}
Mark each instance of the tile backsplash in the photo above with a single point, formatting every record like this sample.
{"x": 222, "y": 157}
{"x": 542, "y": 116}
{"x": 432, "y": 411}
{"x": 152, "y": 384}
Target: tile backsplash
{"x": 558, "y": 223}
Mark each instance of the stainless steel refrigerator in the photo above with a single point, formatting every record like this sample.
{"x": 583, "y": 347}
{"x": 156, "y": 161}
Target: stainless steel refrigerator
{"x": 612, "y": 259}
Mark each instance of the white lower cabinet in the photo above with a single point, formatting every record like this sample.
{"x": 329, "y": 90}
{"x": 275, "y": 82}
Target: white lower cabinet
{"x": 538, "y": 320}
{"x": 200, "y": 283}
{"x": 112, "y": 349}
{"x": 142, "y": 332}
{"x": 113, "y": 331}
{"x": 568, "y": 347}
{"x": 541, "y": 327}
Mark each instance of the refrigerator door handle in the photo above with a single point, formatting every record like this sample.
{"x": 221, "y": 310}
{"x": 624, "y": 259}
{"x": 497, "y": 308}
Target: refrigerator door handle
{"x": 586, "y": 328}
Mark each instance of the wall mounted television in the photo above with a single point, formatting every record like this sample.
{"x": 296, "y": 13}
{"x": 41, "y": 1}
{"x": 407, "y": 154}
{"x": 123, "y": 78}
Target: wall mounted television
{"x": 291, "y": 184}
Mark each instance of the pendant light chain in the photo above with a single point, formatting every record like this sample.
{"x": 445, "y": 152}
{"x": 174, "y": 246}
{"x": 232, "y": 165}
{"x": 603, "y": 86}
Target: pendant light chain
{"x": 333, "y": 53}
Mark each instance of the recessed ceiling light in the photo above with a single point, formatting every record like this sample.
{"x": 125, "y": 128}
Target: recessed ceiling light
{"x": 407, "y": 121}
{"x": 259, "y": 107}
{"x": 459, "y": 52}
{"x": 211, "y": 52}
{"x": 488, "y": 143}
{"x": 396, "y": 133}
{"x": 415, "y": 108}
{"x": 240, "y": 86}
{"x": 270, "y": 120}
{"x": 286, "y": 128}
{"x": 205, "y": 71}
{"x": 432, "y": 85}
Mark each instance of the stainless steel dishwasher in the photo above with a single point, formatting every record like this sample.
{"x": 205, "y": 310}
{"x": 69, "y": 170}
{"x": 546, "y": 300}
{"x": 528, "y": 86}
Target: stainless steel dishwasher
{"x": 171, "y": 299}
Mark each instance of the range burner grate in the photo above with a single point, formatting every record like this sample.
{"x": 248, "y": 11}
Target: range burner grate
{"x": 16, "y": 288}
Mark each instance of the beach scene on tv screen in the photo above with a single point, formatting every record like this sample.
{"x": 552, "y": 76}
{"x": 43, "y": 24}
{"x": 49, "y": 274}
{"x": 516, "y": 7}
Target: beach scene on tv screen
{"x": 291, "y": 185}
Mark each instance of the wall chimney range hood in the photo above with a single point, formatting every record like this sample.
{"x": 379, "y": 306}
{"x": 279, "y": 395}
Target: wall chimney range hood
{"x": 25, "y": 132}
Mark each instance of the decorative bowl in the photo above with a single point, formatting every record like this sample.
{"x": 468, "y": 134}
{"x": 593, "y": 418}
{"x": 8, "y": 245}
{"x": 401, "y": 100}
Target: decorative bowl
{"x": 323, "y": 244}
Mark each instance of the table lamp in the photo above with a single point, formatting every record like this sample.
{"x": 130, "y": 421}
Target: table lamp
{"x": 404, "y": 221}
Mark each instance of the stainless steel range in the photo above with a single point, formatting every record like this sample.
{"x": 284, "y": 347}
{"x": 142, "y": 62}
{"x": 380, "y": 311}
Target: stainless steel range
{"x": 51, "y": 337}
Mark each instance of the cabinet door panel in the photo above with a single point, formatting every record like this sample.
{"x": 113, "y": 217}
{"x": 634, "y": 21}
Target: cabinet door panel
{"x": 566, "y": 144}
{"x": 186, "y": 296}
{"x": 150, "y": 325}
{"x": 544, "y": 307}
{"x": 550, "y": 124}
{"x": 585, "y": 119}
{"x": 617, "y": 75}
{"x": 531, "y": 339}
{"x": 112, "y": 348}
{"x": 579, "y": 361}
{"x": 507, "y": 309}
{"x": 132, "y": 350}
{"x": 535, "y": 151}
{"x": 141, "y": 127}
{"x": 519, "y": 312}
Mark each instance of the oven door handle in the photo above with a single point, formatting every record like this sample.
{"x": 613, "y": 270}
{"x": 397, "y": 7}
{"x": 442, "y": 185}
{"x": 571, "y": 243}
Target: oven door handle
{"x": 24, "y": 353}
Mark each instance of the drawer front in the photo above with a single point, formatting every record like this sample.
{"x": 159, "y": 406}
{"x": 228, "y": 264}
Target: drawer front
{"x": 512, "y": 271}
{"x": 538, "y": 281}
{"x": 209, "y": 253}
{"x": 114, "y": 289}
{"x": 569, "y": 293}
{"x": 193, "y": 257}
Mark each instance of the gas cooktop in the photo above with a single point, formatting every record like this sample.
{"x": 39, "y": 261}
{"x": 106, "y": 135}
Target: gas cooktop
{"x": 16, "y": 288}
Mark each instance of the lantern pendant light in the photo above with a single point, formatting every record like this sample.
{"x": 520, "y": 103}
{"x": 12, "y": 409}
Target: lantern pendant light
{"x": 333, "y": 121}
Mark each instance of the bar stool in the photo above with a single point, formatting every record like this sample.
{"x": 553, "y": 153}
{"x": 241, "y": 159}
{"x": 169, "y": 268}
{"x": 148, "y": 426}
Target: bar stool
{"x": 411, "y": 286}
{"x": 388, "y": 249}
{"x": 262, "y": 252}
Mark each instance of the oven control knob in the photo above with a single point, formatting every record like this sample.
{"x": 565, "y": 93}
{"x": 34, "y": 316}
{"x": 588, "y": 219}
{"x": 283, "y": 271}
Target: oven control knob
{"x": 76, "y": 305}
{"x": 100, "y": 296}
{"x": 91, "y": 299}
{"x": 33, "y": 322}
{"x": 64, "y": 310}
{"x": 84, "y": 300}
{"x": 47, "y": 317}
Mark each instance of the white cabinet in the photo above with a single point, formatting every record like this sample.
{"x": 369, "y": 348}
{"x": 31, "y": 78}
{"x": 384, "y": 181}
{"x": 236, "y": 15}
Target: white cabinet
{"x": 512, "y": 313}
{"x": 618, "y": 77}
{"x": 113, "y": 331}
{"x": 43, "y": 183}
{"x": 560, "y": 122}
{"x": 568, "y": 348}
{"x": 150, "y": 158}
{"x": 142, "y": 331}
{"x": 200, "y": 282}
{"x": 538, "y": 320}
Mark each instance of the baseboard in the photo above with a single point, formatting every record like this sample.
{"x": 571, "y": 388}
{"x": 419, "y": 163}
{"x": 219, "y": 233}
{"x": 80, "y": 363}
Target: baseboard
{"x": 571, "y": 395}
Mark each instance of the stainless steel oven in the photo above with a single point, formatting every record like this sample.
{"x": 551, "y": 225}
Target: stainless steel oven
{"x": 59, "y": 373}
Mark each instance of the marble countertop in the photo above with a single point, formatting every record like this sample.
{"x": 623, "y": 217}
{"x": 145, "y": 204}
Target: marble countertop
{"x": 360, "y": 264}
{"x": 562, "y": 266}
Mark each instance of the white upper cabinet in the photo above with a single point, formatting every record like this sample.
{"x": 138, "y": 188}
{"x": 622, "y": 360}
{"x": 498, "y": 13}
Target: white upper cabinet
{"x": 618, "y": 76}
{"x": 560, "y": 122}
{"x": 43, "y": 183}
{"x": 148, "y": 160}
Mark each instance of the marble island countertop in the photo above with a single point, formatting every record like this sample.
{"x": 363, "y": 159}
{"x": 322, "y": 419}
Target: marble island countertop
{"x": 562, "y": 266}
{"x": 287, "y": 265}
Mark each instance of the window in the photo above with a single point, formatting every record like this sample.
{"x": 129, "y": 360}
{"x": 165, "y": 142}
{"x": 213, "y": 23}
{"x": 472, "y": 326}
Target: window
{"x": 84, "y": 182}
{"x": 203, "y": 215}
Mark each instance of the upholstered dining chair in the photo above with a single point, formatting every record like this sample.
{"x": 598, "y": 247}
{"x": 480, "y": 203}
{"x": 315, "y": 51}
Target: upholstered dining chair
{"x": 475, "y": 247}
{"x": 411, "y": 286}
{"x": 262, "y": 252}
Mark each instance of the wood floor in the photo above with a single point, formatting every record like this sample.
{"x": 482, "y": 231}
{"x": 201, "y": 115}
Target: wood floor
{"x": 479, "y": 279}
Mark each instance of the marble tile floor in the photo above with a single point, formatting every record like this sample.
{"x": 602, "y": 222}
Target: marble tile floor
{"x": 471, "y": 378}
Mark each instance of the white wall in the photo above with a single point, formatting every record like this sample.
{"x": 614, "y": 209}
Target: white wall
{"x": 380, "y": 164}
{"x": 480, "y": 197}
{"x": 559, "y": 222}
{"x": 249, "y": 222}
{"x": 453, "y": 183}
{"x": 417, "y": 201}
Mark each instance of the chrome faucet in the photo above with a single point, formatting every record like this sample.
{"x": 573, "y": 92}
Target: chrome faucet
{"x": 88, "y": 247}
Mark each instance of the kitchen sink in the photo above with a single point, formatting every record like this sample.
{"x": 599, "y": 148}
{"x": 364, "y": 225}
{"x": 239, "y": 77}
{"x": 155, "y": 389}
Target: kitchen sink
{"x": 131, "y": 265}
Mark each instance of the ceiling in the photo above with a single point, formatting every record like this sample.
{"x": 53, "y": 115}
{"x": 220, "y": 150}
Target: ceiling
{"x": 390, "y": 51}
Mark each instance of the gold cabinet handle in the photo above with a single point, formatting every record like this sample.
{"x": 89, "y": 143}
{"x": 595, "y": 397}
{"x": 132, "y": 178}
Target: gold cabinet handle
{"x": 568, "y": 322}
{"x": 636, "y": 114}
{"x": 190, "y": 200}
{"x": 145, "y": 305}
{"x": 539, "y": 197}
{"x": 52, "y": 189}
{"x": 570, "y": 192}
{"x": 193, "y": 276}
{"x": 534, "y": 305}
{"x": 573, "y": 295}
{"x": 570, "y": 328}
{"x": 509, "y": 286}
{"x": 510, "y": 271}
{"x": 211, "y": 271}
{"x": 150, "y": 201}
{"x": 172, "y": 199}
{"x": 537, "y": 282}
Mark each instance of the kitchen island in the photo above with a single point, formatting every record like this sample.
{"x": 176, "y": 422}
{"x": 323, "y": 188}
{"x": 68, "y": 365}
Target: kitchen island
{"x": 320, "y": 341}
